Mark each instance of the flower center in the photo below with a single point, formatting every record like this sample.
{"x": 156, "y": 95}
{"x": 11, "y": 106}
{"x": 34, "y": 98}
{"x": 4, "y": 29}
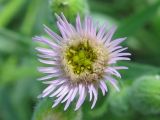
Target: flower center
{"x": 84, "y": 60}
{"x": 81, "y": 57}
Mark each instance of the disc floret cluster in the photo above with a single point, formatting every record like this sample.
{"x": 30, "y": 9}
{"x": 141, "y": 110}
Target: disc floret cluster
{"x": 81, "y": 57}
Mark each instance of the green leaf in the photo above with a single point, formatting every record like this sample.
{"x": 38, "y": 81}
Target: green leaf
{"x": 16, "y": 37}
{"x": 136, "y": 70}
{"x": 7, "y": 70}
{"x": 6, "y": 110}
{"x": 31, "y": 17}
{"x": 132, "y": 24}
{"x": 9, "y": 11}
{"x": 12, "y": 42}
{"x": 24, "y": 96}
{"x": 7, "y": 46}
{"x": 11, "y": 71}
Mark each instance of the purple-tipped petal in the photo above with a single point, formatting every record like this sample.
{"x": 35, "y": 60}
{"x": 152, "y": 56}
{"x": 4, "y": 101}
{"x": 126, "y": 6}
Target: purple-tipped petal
{"x": 46, "y": 51}
{"x": 74, "y": 93}
{"x": 101, "y": 32}
{"x": 104, "y": 85}
{"x": 90, "y": 92}
{"x": 57, "y": 101}
{"x": 46, "y": 77}
{"x": 118, "y": 51}
{"x": 53, "y": 35}
{"x": 48, "y": 92}
{"x": 62, "y": 92}
{"x": 58, "y": 91}
{"x": 48, "y": 88}
{"x": 81, "y": 96}
{"x": 102, "y": 89}
{"x": 67, "y": 104}
{"x": 49, "y": 62}
{"x": 95, "y": 94}
{"x": 113, "y": 82}
{"x": 78, "y": 24}
{"x": 120, "y": 67}
{"x": 68, "y": 96}
{"x": 108, "y": 37}
{"x": 113, "y": 71}
{"x": 114, "y": 49}
{"x": 49, "y": 70}
{"x": 116, "y": 42}
{"x": 46, "y": 41}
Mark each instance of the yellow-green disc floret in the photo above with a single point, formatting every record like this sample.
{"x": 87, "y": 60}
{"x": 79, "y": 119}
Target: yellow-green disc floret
{"x": 81, "y": 57}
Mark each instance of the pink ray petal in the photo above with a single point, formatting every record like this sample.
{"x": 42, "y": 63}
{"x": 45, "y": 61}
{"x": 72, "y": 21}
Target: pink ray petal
{"x": 62, "y": 92}
{"x": 95, "y": 93}
{"x": 120, "y": 50}
{"x": 90, "y": 92}
{"x": 120, "y": 67}
{"x": 107, "y": 38}
{"x": 49, "y": 62}
{"x": 53, "y": 35}
{"x": 113, "y": 60}
{"x": 46, "y": 77}
{"x": 114, "y": 71}
{"x": 74, "y": 93}
{"x": 102, "y": 89}
{"x": 47, "y": 41}
{"x": 58, "y": 100}
{"x": 112, "y": 49}
{"x": 113, "y": 82}
{"x": 49, "y": 70}
{"x": 116, "y": 42}
{"x": 68, "y": 96}
{"x": 57, "y": 91}
{"x": 48, "y": 92}
{"x": 101, "y": 32}
{"x": 46, "y": 51}
{"x": 78, "y": 24}
{"x": 67, "y": 104}
{"x": 119, "y": 55}
{"x": 104, "y": 85}
{"x": 48, "y": 88}
{"x": 81, "y": 97}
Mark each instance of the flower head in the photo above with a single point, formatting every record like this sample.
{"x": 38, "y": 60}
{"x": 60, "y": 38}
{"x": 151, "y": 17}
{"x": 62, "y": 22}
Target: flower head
{"x": 79, "y": 61}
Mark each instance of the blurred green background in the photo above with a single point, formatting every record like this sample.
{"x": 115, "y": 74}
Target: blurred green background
{"x": 139, "y": 20}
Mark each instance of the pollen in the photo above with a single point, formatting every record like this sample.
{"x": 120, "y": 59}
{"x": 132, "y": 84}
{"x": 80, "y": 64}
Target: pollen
{"x": 81, "y": 57}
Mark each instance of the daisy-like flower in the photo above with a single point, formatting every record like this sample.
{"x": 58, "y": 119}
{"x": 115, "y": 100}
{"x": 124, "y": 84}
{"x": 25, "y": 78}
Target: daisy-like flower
{"x": 79, "y": 61}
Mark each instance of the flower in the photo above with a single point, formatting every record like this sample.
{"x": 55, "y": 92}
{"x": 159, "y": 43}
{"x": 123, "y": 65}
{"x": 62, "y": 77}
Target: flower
{"x": 79, "y": 61}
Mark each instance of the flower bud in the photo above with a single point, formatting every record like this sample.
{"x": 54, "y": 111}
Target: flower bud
{"x": 44, "y": 111}
{"x": 119, "y": 104}
{"x": 70, "y": 8}
{"x": 145, "y": 95}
